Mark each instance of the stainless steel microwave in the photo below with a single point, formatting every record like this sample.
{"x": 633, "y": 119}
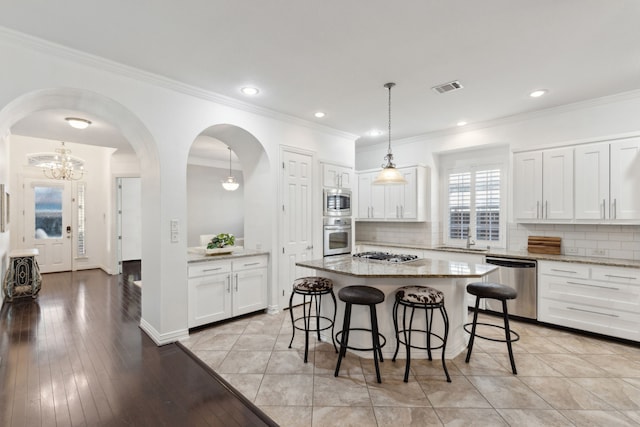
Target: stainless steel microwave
{"x": 337, "y": 202}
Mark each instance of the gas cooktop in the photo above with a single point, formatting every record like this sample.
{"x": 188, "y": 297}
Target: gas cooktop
{"x": 385, "y": 257}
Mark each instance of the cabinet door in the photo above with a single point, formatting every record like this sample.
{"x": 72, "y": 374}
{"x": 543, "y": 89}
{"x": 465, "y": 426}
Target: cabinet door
{"x": 527, "y": 188}
{"x": 249, "y": 291}
{"x": 335, "y": 176}
{"x": 345, "y": 177}
{"x": 592, "y": 181}
{"x": 209, "y": 299}
{"x": 401, "y": 200}
{"x": 625, "y": 179}
{"x": 557, "y": 183}
{"x": 364, "y": 195}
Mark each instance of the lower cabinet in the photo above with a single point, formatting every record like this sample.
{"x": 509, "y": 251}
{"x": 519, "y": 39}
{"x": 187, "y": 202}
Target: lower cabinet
{"x": 226, "y": 288}
{"x": 600, "y": 299}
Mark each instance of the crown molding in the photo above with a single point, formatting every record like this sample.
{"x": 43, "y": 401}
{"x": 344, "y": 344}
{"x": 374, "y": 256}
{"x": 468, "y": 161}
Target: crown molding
{"x": 60, "y": 51}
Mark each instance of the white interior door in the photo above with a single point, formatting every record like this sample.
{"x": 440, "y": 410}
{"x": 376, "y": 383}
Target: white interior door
{"x": 48, "y": 223}
{"x": 130, "y": 219}
{"x": 296, "y": 219}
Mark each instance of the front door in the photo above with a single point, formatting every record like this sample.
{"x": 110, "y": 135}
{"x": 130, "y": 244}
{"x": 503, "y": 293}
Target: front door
{"x": 296, "y": 219}
{"x": 48, "y": 223}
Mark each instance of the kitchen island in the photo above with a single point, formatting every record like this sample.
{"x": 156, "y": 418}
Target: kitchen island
{"x": 448, "y": 277}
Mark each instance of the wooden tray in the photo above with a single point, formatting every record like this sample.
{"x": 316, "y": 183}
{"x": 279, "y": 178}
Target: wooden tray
{"x": 544, "y": 245}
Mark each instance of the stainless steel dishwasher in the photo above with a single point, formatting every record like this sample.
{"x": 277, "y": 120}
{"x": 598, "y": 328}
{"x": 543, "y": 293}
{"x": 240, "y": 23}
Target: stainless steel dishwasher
{"x": 520, "y": 274}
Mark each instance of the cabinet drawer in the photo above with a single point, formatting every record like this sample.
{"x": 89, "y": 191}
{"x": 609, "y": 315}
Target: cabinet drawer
{"x": 208, "y": 268}
{"x": 592, "y": 319}
{"x": 249, "y": 263}
{"x": 612, "y": 296}
{"x": 616, "y": 275}
{"x": 564, "y": 269}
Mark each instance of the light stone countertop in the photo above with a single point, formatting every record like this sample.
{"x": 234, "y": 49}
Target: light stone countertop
{"x": 194, "y": 256}
{"x": 613, "y": 262}
{"x": 421, "y": 268}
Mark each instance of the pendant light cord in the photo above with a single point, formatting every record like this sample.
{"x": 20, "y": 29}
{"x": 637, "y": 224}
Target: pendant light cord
{"x": 389, "y": 86}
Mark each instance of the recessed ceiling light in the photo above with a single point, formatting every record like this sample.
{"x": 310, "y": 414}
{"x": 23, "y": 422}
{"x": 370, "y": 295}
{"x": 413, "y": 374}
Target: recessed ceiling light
{"x": 78, "y": 123}
{"x": 538, "y": 93}
{"x": 319, "y": 114}
{"x": 461, "y": 123}
{"x": 375, "y": 132}
{"x": 250, "y": 91}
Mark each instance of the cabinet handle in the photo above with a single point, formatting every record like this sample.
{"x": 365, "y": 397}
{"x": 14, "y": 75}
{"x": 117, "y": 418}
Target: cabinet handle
{"x": 621, "y": 277}
{"x": 212, "y": 269}
{"x": 397, "y": 211}
{"x": 603, "y": 209}
{"x": 546, "y": 209}
{"x": 236, "y": 282}
{"x": 615, "y": 209}
{"x": 537, "y": 209}
{"x": 256, "y": 263}
{"x": 228, "y": 283}
{"x": 564, "y": 271}
{"x": 593, "y": 286}
{"x": 592, "y": 312}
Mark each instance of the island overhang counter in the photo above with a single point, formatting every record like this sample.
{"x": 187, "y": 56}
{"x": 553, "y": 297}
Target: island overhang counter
{"x": 448, "y": 277}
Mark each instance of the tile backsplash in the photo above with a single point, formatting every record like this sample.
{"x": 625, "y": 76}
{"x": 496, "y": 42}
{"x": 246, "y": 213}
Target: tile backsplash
{"x": 606, "y": 241}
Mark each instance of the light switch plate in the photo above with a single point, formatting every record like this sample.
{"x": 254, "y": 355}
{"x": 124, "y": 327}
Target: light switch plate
{"x": 174, "y": 225}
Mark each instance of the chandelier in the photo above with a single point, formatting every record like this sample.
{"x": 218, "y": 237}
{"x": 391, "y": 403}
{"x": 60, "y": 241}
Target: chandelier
{"x": 389, "y": 174}
{"x": 230, "y": 184}
{"x": 59, "y": 165}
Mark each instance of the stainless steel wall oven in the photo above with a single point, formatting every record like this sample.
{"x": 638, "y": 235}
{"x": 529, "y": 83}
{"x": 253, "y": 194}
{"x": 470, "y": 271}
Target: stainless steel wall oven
{"x": 336, "y": 236}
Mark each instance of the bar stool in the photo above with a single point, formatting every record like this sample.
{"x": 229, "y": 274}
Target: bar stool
{"x": 361, "y": 295}
{"x": 427, "y": 299}
{"x": 314, "y": 288}
{"x": 499, "y": 292}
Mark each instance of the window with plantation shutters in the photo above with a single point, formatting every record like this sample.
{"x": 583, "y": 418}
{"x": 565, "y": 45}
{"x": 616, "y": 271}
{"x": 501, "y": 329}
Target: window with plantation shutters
{"x": 474, "y": 206}
{"x": 81, "y": 248}
{"x": 487, "y": 206}
{"x": 459, "y": 205}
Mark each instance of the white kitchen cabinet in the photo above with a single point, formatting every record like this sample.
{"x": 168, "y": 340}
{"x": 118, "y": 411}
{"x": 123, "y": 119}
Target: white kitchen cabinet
{"x": 336, "y": 176}
{"x": 370, "y": 197}
{"x": 592, "y": 181}
{"x": 394, "y": 202}
{"x": 226, "y": 288}
{"x": 543, "y": 187}
{"x": 250, "y": 287}
{"x": 625, "y": 179}
{"x": 600, "y": 299}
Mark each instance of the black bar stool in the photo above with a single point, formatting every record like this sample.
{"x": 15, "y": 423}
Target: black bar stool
{"x": 312, "y": 287}
{"x": 499, "y": 292}
{"x": 361, "y": 295}
{"x": 429, "y": 300}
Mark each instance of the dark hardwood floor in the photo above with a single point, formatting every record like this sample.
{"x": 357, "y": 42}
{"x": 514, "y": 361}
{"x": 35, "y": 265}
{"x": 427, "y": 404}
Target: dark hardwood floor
{"x": 75, "y": 356}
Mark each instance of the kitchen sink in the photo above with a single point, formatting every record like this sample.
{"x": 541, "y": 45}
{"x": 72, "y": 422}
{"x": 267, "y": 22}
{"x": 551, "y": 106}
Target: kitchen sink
{"x": 460, "y": 248}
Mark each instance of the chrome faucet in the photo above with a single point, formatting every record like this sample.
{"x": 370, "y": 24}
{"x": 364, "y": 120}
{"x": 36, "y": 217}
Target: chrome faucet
{"x": 470, "y": 241}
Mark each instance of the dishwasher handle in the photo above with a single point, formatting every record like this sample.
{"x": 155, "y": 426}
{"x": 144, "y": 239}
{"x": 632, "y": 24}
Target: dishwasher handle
{"x": 511, "y": 263}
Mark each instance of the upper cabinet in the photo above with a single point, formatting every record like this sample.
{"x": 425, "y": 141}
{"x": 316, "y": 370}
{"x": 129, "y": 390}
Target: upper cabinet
{"x": 543, "y": 185}
{"x": 625, "y": 179}
{"x": 336, "y": 176}
{"x": 393, "y": 202}
{"x": 583, "y": 183}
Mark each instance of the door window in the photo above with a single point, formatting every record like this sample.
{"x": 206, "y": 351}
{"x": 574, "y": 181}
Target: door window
{"x": 48, "y": 212}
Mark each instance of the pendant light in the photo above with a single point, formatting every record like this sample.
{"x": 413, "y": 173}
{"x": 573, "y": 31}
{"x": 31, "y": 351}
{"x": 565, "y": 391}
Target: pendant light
{"x": 230, "y": 184}
{"x": 389, "y": 174}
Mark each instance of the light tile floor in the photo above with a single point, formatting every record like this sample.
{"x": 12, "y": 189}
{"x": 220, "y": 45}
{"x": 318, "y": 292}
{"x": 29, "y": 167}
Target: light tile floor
{"x": 563, "y": 379}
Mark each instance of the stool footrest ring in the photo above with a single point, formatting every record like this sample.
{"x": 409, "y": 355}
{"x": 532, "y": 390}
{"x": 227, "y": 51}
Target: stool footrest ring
{"x": 313, "y": 328}
{"x": 383, "y": 340}
{"x": 401, "y": 341}
{"x": 512, "y": 332}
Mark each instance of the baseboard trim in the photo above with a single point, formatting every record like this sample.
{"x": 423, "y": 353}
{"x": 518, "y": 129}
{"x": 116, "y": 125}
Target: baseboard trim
{"x": 163, "y": 339}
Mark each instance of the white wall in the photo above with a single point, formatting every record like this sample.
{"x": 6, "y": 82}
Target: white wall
{"x": 161, "y": 119}
{"x": 6, "y": 236}
{"x": 212, "y": 209}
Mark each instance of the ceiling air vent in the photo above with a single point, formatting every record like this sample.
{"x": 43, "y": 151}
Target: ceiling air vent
{"x": 448, "y": 87}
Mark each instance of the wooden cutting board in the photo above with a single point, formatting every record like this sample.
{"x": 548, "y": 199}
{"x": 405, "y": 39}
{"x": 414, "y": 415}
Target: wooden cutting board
{"x": 544, "y": 245}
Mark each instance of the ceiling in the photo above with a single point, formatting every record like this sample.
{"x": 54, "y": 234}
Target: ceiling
{"x": 335, "y": 56}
